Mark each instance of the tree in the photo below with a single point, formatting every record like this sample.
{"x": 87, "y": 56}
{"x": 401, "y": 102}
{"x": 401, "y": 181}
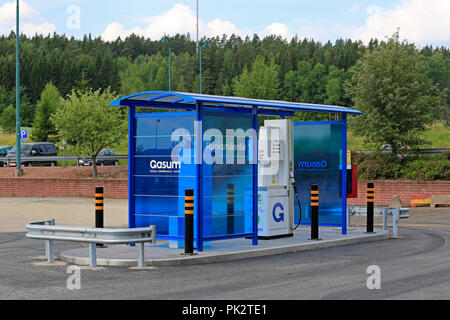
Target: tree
{"x": 8, "y": 119}
{"x": 88, "y": 124}
{"x": 50, "y": 102}
{"x": 394, "y": 94}
{"x": 259, "y": 83}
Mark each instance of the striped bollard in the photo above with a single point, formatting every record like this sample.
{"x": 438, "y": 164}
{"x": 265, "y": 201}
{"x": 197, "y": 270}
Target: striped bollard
{"x": 314, "y": 212}
{"x": 230, "y": 208}
{"x": 99, "y": 210}
{"x": 370, "y": 206}
{"x": 189, "y": 221}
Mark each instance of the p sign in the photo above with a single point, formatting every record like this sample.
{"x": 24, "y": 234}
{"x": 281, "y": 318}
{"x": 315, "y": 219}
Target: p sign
{"x": 23, "y": 134}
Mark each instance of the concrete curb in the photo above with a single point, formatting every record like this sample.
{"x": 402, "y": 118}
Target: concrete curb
{"x": 211, "y": 257}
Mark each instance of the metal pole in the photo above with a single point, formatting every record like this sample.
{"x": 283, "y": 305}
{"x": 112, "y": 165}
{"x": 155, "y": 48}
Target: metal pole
{"x": 370, "y": 200}
{"x": 201, "y": 45}
{"x": 170, "y": 67}
{"x": 92, "y": 255}
{"x": 141, "y": 257}
{"x": 18, "y": 163}
{"x": 314, "y": 212}
{"x": 197, "y": 45}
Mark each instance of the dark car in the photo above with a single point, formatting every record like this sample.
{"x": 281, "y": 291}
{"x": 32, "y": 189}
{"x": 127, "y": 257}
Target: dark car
{"x": 101, "y": 161}
{"x": 3, "y": 153}
{"x": 34, "y": 149}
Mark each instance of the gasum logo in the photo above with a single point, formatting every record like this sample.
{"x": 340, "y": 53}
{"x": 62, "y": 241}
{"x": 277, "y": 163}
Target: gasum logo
{"x": 164, "y": 164}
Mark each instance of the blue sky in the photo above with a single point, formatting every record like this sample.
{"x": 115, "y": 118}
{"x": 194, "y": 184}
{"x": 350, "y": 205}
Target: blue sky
{"x": 420, "y": 21}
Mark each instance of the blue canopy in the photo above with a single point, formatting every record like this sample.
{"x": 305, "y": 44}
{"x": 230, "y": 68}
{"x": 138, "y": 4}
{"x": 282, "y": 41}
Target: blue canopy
{"x": 189, "y": 101}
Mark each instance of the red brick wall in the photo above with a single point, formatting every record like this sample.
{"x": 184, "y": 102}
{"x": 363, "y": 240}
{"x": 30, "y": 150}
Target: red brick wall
{"x": 41, "y": 187}
{"x": 118, "y": 188}
{"x": 386, "y": 189}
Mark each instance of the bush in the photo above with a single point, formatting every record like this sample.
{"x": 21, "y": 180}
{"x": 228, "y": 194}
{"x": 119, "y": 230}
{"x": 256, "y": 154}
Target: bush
{"x": 412, "y": 167}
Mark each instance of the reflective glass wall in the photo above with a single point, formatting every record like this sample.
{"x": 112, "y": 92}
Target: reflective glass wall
{"x": 317, "y": 154}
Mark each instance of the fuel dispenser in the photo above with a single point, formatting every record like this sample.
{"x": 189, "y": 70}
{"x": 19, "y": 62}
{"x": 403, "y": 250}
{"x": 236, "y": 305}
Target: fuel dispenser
{"x": 276, "y": 184}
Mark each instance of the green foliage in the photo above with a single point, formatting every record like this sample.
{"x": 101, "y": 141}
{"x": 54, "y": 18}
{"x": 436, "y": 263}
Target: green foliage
{"x": 395, "y": 95}
{"x": 259, "y": 83}
{"x": 88, "y": 124}
{"x": 412, "y": 167}
{"x": 50, "y": 102}
{"x": 8, "y": 119}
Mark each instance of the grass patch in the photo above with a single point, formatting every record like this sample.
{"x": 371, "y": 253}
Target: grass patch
{"x": 437, "y": 134}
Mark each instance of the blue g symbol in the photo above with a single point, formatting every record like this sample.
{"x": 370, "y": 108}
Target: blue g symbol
{"x": 281, "y": 215}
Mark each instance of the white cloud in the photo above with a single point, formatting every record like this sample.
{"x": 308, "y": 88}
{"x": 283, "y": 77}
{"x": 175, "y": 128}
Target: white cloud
{"x": 277, "y": 29}
{"x": 180, "y": 19}
{"x": 420, "y": 21}
{"x": 354, "y": 8}
{"x": 8, "y": 12}
{"x": 31, "y": 22}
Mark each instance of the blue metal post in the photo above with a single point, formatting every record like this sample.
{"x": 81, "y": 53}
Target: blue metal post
{"x": 131, "y": 151}
{"x": 199, "y": 159}
{"x": 255, "y": 177}
{"x": 344, "y": 173}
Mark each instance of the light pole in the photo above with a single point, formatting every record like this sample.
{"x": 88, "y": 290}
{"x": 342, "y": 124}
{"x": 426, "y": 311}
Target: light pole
{"x": 19, "y": 171}
{"x": 203, "y": 44}
{"x": 166, "y": 40}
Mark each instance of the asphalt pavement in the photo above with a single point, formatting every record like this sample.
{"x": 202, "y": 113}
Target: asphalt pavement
{"x": 414, "y": 266}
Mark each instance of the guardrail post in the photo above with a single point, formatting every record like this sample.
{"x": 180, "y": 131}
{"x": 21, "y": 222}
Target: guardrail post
{"x": 314, "y": 212}
{"x": 370, "y": 206}
{"x": 230, "y": 208}
{"x": 141, "y": 257}
{"x": 189, "y": 221}
{"x": 99, "y": 217}
{"x": 92, "y": 255}
{"x": 49, "y": 245}
{"x": 395, "y": 218}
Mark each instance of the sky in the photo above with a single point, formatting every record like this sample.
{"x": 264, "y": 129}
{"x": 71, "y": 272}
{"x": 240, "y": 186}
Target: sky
{"x": 423, "y": 22}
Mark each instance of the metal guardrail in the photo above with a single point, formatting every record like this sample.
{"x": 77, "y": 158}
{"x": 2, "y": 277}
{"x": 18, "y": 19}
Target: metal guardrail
{"x": 413, "y": 151}
{"x": 48, "y": 231}
{"x": 59, "y": 158}
{"x": 396, "y": 214}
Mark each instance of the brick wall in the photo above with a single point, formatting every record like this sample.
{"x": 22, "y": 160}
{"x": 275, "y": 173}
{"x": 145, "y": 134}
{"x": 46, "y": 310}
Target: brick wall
{"x": 118, "y": 188}
{"x": 386, "y": 189}
{"x": 41, "y": 187}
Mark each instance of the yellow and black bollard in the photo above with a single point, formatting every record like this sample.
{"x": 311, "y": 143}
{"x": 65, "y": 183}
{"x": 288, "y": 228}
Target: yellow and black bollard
{"x": 99, "y": 210}
{"x": 230, "y": 208}
{"x": 189, "y": 221}
{"x": 314, "y": 212}
{"x": 370, "y": 206}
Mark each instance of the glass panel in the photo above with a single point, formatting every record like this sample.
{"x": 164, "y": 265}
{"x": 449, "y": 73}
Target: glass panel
{"x": 227, "y": 175}
{"x": 317, "y": 153}
{"x": 160, "y": 180}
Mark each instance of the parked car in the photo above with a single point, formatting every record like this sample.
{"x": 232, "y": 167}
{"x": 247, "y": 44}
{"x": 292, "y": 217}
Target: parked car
{"x": 387, "y": 148}
{"x": 34, "y": 149}
{"x": 100, "y": 162}
{"x": 3, "y": 153}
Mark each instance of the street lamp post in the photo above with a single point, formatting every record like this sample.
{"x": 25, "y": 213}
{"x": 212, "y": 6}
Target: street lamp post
{"x": 166, "y": 40}
{"x": 203, "y": 44}
{"x": 19, "y": 171}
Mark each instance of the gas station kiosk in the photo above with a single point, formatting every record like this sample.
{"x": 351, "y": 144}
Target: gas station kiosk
{"x": 244, "y": 177}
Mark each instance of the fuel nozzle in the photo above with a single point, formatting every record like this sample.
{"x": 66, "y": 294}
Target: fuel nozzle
{"x": 293, "y": 183}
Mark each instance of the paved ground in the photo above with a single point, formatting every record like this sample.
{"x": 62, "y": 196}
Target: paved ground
{"x": 415, "y": 266}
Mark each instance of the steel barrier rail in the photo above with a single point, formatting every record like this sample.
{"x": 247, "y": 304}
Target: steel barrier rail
{"x": 46, "y": 230}
{"x": 61, "y": 158}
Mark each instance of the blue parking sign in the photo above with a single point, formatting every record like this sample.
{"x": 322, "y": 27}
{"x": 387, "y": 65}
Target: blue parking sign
{"x": 23, "y": 134}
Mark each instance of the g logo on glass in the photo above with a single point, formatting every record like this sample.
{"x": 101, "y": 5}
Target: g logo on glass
{"x": 280, "y": 217}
